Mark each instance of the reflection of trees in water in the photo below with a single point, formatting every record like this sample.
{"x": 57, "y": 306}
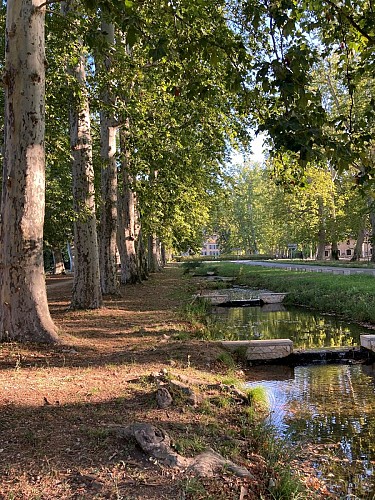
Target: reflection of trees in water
{"x": 331, "y": 408}
{"x": 305, "y": 328}
{"x": 342, "y": 408}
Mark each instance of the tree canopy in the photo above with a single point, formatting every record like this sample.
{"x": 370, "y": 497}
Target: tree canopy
{"x": 185, "y": 82}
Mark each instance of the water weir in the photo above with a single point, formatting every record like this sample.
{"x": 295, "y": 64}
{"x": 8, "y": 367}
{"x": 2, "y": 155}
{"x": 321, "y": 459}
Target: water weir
{"x": 281, "y": 351}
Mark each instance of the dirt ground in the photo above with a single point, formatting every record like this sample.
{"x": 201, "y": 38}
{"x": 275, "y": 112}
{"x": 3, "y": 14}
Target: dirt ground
{"x": 58, "y": 404}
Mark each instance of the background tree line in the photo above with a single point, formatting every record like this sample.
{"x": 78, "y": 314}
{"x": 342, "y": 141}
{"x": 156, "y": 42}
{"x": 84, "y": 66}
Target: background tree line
{"x": 257, "y": 215}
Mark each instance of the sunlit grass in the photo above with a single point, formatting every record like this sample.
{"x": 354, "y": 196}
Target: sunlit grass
{"x": 351, "y": 296}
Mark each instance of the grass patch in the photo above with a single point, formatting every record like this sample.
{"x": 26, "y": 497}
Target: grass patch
{"x": 257, "y": 396}
{"x": 231, "y": 379}
{"x": 222, "y": 401}
{"x": 227, "y": 360}
{"x": 97, "y": 435}
{"x": 190, "y": 265}
{"x": 333, "y": 263}
{"x": 225, "y": 257}
{"x": 198, "y": 308}
{"x": 189, "y": 446}
{"x": 194, "y": 488}
{"x": 351, "y": 296}
{"x": 286, "y": 486}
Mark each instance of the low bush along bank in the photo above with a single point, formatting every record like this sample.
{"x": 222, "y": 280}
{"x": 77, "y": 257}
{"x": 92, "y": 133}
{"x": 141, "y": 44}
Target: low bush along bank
{"x": 351, "y": 296}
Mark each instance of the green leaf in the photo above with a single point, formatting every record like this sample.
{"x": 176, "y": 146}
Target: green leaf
{"x": 132, "y": 36}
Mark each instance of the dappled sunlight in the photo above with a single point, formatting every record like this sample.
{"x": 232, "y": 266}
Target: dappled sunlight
{"x": 127, "y": 330}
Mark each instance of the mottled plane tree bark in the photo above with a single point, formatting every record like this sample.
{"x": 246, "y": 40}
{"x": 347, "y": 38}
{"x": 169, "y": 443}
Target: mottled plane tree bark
{"x": 86, "y": 285}
{"x": 23, "y": 300}
{"x": 108, "y": 217}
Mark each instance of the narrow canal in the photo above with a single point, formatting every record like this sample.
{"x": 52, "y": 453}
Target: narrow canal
{"x": 327, "y": 412}
{"x": 307, "y": 329}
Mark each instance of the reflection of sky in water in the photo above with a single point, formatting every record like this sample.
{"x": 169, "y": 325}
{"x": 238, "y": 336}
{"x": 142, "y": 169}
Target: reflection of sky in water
{"x": 306, "y": 328}
{"x": 326, "y": 404}
{"x": 281, "y": 396}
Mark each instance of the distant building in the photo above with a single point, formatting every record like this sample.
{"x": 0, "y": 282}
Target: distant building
{"x": 211, "y": 247}
{"x": 346, "y": 249}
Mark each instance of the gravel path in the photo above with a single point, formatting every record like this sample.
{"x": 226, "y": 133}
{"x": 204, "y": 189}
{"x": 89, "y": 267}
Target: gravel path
{"x": 306, "y": 267}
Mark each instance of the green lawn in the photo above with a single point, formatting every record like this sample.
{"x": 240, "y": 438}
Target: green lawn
{"x": 351, "y": 296}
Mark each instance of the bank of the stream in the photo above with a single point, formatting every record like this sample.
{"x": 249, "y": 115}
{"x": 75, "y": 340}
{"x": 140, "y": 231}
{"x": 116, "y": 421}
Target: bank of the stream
{"x": 67, "y": 411}
{"x": 337, "y": 435}
{"x": 350, "y": 296}
{"x": 330, "y": 408}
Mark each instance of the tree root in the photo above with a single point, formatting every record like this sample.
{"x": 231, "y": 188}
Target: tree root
{"x": 157, "y": 444}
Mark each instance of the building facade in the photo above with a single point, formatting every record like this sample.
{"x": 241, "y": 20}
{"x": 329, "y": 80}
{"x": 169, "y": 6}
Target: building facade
{"x": 346, "y": 249}
{"x": 211, "y": 247}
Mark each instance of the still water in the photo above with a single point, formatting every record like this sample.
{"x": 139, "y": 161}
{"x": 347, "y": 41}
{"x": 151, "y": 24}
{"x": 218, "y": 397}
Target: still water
{"x": 306, "y": 328}
{"x": 332, "y": 406}
{"x": 330, "y": 410}
{"x": 327, "y": 411}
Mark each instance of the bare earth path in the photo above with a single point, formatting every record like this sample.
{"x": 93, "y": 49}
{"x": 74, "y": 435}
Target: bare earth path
{"x": 56, "y": 403}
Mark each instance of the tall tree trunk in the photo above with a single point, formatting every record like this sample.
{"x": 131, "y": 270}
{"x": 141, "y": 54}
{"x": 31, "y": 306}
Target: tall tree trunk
{"x": 71, "y": 256}
{"x": 23, "y": 299}
{"x": 142, "y": 255}
{"x": 335, "y": 252}
{"x": 58, "y": 261}
{"x": 108, "y": 218}
{"x": 253, "y": 247}
{"x": 153, "y": 253}
{"x": 321, "y": 233}
{"x": 372, "y": 237}
{"x": 86, "y": 286}
{"x": 321, "y": 244}
{"x": 127, "y": 233}
{"x": 163, "y": 255}
{"x": 358, "y": 252}
{"x": 158, "y": 254}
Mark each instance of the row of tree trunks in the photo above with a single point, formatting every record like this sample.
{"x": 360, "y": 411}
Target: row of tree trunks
{"x": 23, "y": 299}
